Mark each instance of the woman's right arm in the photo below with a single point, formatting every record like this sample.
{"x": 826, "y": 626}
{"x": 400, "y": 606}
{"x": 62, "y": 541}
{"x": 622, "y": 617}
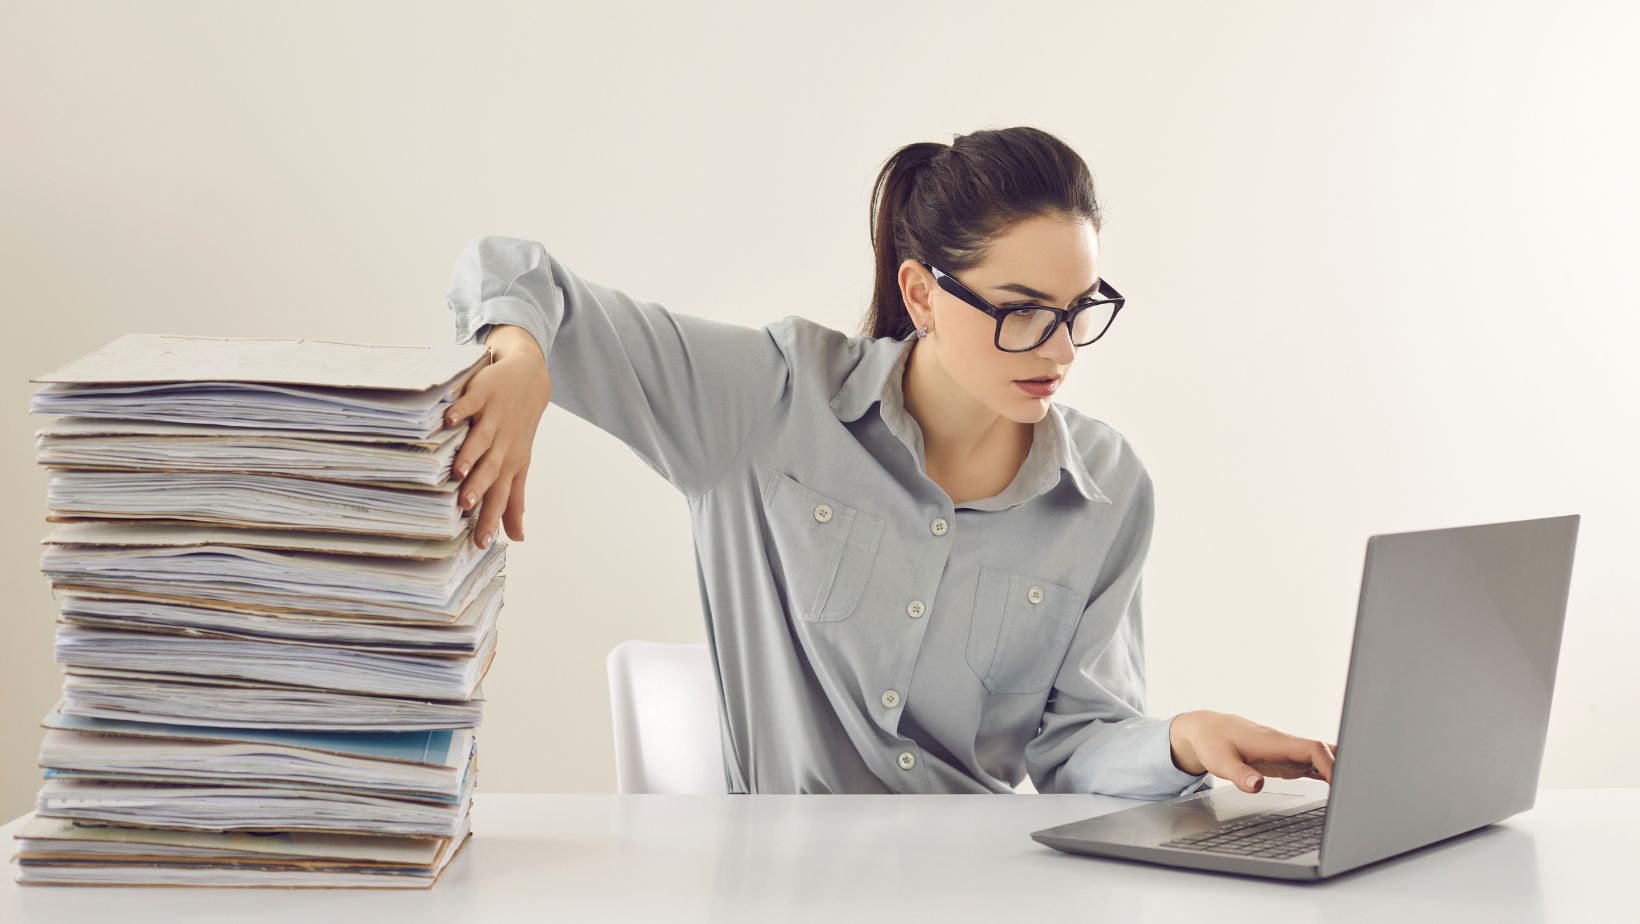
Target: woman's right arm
{"x": 683, "y": 392}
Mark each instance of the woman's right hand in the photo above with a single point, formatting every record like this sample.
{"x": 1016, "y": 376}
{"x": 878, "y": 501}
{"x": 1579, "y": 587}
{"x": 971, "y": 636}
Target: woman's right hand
{"x": 505, "y": 400}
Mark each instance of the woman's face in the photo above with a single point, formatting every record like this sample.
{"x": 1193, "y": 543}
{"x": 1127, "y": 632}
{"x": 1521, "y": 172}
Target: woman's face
{"x": 1056, "y": 257}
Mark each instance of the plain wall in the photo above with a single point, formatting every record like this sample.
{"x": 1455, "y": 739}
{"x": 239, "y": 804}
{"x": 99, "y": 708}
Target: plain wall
{"x": 1377, "y": 260}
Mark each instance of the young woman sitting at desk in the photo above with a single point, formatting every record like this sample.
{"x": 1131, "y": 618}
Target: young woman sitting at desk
{"x": 919, "y": 573}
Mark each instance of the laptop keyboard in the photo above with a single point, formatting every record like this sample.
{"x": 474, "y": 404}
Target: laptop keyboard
{"x": 1275, "y": 836}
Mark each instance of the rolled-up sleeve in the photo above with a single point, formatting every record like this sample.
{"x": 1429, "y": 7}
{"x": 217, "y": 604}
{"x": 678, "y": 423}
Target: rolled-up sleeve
{"x": 1095, "y": 737}
{"x": 683, "y": 392}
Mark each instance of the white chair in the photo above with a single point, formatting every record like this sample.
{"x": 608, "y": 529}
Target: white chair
{"x": 664, "y": 700}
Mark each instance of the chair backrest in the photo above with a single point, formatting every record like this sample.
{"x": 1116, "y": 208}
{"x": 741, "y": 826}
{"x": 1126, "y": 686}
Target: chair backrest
{"x": 664, "y": 700}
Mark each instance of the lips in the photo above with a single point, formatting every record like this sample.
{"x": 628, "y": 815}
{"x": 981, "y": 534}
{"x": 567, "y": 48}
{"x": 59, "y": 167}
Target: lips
{"x": 1040, "y": 387}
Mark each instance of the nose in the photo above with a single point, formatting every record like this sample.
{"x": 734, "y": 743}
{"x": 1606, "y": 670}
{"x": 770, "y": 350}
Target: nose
{"x": 1058, "y": 347}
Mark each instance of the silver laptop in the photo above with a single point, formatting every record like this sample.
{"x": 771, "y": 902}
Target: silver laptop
{"x": 1446, "y": 706}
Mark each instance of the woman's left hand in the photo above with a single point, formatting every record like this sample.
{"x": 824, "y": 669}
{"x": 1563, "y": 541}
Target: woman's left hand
{"x": 1243, "y": 751}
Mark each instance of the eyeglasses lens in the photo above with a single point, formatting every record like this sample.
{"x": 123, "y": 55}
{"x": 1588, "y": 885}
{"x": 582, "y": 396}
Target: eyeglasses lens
{"x": 1025, "y": 328}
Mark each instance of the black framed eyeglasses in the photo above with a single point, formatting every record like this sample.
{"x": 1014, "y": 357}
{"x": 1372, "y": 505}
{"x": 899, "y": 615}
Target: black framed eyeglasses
{"x": 1021, "y": 328}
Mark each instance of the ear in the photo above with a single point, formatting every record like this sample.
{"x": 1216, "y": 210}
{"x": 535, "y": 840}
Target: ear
{"x": 916, "y": 288}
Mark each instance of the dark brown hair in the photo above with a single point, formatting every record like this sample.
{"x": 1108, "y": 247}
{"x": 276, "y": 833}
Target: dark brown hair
{"x": 945, "y": 203}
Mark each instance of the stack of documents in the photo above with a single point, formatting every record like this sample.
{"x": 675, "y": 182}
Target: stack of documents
{"x": 273, "y": 620}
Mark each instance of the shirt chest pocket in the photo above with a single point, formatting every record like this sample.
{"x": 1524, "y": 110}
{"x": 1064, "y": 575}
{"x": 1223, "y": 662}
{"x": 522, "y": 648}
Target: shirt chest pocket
{"x": 826, "y": 548}
{"x": 1020, "y": 630}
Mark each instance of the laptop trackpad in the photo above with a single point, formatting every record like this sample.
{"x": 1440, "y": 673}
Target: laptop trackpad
{"x": 1159, "y": 821}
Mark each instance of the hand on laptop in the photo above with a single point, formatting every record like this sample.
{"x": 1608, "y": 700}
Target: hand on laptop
{"x": 506, "y": 400}
{"x": 1244, "y": 752}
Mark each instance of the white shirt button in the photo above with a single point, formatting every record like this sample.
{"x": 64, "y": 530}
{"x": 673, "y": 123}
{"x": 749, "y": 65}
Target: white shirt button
{"x": 915, "y": 609}
{"x": 907, "y": 760}
{"x": 891, "y": 698}
{"x": 939, "y": 526}
{"x": 823, "y": 513}
{"x": 1034, "y": 595}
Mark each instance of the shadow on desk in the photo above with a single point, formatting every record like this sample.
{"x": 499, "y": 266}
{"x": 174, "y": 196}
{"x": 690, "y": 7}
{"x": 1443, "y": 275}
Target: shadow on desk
{"x": 1460, "y": 869}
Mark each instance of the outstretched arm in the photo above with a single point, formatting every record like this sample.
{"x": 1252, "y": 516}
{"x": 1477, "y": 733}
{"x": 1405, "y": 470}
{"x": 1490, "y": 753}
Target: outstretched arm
{"x": 683, "y": 392}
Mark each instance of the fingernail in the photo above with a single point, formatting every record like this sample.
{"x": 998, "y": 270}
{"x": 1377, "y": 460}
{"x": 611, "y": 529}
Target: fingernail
{"x": 462, "y": 469}
{"x": 484, "y": 541}
{"x": 469, "y": 497}
{"x": 1252, "y": 781}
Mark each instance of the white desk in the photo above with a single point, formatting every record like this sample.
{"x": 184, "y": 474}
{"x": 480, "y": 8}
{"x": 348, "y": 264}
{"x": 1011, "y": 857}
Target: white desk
{"x": 777, "y": 858}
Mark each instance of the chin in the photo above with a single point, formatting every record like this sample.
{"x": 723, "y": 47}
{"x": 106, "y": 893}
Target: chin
{"x": 1026, "y": 409}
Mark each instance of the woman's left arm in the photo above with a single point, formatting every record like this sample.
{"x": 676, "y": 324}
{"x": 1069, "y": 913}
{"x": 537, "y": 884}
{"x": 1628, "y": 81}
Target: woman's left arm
{"x": 1245, "y": 752}
{"x": 1095, "y": 736}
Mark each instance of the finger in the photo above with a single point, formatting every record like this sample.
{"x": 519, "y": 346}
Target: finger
{"x": 1302, "y": 753}
{"x": 1222, "y": 760}
{"x": 494, "y": 503}
{"x": 463, "y": 407}
{"x": 478, "y": 484}
{"x": 1321, "y": 758}
{"x": 473, "y": 447}
{"x": 514, "y": 516}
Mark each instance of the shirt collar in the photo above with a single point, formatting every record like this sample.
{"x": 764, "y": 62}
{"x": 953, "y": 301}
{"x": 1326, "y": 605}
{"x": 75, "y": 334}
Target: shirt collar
{"x": 877, "y": 379}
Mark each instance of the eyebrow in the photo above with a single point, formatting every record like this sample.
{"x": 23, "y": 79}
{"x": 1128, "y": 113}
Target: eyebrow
{"x": 1028, "y": 292}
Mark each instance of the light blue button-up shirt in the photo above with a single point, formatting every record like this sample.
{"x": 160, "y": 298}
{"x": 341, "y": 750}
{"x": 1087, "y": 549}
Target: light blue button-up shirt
{"x": 868, "y": 635}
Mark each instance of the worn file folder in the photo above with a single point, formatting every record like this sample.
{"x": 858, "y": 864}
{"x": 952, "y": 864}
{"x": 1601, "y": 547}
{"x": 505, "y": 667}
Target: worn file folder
{"x": 155, "y": 358}
{"x": 62, "y": 851}
{"x": 82, "y": 443}
{"x": 312, "y": 385}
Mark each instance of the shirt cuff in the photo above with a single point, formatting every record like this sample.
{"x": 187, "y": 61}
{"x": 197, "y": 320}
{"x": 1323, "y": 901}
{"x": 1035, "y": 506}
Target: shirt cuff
{"x": 509, "y": 309}
{"x": 1162, "y": 770}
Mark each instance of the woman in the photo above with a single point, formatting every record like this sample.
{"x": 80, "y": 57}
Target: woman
{"x": 919, "y": 574}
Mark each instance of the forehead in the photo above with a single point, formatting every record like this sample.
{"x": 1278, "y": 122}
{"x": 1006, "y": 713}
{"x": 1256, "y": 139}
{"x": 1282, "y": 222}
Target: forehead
{"x": 1057, "y": 257}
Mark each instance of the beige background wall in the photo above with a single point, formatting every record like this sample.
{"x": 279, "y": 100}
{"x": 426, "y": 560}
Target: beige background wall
{"x": 1379, "y": 263}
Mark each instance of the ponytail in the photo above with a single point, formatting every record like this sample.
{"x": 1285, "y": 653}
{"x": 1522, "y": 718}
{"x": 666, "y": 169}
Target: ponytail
{"x": 944, "y": 203}
{"x": 891, "y": 199}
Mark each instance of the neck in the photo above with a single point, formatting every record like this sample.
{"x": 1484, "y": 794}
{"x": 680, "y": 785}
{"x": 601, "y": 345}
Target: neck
{"x": 956, "y": 428}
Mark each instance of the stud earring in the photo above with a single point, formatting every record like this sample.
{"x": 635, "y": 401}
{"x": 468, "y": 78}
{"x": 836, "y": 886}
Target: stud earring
{"x": 922, "y": 331}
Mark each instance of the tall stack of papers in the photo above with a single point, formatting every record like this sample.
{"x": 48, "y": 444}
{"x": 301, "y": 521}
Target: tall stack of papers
{"x": 273, "y": 621}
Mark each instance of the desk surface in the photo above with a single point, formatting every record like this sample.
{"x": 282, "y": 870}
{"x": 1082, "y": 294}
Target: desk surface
{"x": 903, "y": 858}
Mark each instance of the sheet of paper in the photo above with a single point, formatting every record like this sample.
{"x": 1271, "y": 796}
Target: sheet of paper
{"x": 144, "y": 533}
{"x": 69, "y": 428}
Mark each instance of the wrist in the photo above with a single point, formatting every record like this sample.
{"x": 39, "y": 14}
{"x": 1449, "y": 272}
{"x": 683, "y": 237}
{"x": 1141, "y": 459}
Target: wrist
{"x": 505, "y": 340}
{"x": 1179, "y": 741}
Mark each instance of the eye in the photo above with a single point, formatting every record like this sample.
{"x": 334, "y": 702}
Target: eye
{"x": 1085, "y": 301}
